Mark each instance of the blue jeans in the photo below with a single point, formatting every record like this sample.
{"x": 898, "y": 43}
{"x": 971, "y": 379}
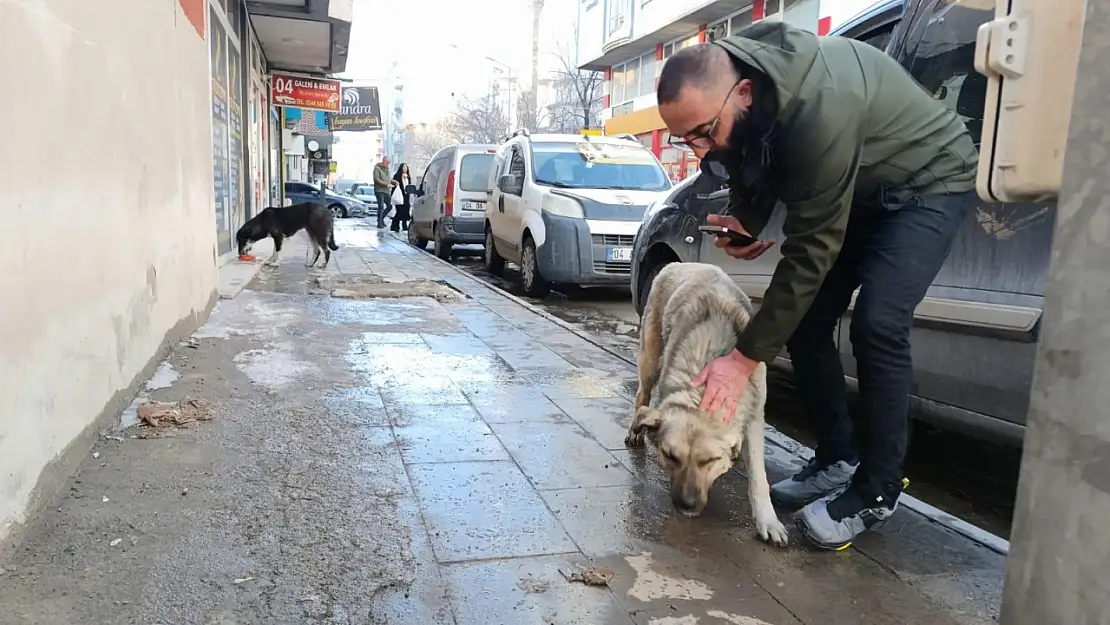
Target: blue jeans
{"x": 892, "y": 254}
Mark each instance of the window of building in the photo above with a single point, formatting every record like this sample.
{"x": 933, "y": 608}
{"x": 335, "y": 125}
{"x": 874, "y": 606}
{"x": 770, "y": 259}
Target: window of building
{"x": 671, "y": 47}
{"x": 647, "y": 73}
{"x": 738, "y": 21}
{"x": 771, "y": 7}
{"x": 616, "y": 85}
{"x": 631, "y": 79}
{"x": 618, "y": 14}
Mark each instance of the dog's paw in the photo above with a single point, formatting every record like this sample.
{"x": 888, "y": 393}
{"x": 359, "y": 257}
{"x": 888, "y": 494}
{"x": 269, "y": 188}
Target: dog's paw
{"x": 633, "y": 439}
{"x": 773, "y": 531}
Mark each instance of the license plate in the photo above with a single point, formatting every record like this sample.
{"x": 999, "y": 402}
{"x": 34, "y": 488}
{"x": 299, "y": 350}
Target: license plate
{"x": 618, "y": 254}
{"x": 468, "y": 205}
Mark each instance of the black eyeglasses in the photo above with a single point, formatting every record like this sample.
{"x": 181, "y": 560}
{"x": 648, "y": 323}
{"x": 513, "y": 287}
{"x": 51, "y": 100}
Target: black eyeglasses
{"x": 703, "y": 139}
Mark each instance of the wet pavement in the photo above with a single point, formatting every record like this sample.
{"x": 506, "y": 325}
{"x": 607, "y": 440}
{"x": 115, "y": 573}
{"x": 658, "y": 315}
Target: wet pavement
{"x": 972, "y": 479}
{"x": 439, "y": 454}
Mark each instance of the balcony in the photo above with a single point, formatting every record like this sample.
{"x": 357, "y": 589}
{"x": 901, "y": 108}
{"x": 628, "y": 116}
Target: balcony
{"x": 307, "y": 36}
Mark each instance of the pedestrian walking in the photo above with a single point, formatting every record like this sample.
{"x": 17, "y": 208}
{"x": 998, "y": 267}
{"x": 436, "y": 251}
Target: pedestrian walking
{"x": 404, "y": 181}
{"x": 382, "y": 186}
{"x": 875, "y": 176}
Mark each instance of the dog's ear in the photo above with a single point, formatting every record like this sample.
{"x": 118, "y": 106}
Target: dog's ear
{"x": 647, "y": 418}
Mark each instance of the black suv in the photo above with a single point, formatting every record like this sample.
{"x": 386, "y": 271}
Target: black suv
{"x": 975, "y": 334}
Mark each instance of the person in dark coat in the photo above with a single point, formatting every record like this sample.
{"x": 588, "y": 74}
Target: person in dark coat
{"x": 400, "y": 220}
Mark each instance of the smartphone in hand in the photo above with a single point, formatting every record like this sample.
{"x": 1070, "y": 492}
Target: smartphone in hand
{"x": 735, "y": 239}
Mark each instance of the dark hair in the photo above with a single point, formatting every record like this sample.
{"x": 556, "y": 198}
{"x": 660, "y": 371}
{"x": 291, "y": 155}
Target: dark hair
{"x": 697, "y": 66}
{"x": 400, "y": 172}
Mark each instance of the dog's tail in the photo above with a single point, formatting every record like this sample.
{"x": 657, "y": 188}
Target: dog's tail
{"x": 331, "y": 242}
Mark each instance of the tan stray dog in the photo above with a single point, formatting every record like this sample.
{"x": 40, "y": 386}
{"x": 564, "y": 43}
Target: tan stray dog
{"x": 694, "y": 314}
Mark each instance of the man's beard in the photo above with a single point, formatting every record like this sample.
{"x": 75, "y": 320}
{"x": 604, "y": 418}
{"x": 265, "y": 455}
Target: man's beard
{"x": 733, "y": 152}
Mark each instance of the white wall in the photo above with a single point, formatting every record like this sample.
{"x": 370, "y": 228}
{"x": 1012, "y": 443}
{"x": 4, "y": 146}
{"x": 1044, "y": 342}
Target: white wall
{"x": 106, "y": 167}
{"x": 591, "y": 29}
{"x": 659, "y": 13}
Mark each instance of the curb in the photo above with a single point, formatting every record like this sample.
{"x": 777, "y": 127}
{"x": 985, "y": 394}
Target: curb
{"x": 798, "y": 450}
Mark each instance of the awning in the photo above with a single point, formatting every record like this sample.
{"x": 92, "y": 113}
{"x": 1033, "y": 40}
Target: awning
{"x": 308, "y": 36}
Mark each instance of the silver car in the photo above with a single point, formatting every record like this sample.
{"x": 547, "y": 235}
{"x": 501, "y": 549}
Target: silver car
{"x": 450, "y": 203}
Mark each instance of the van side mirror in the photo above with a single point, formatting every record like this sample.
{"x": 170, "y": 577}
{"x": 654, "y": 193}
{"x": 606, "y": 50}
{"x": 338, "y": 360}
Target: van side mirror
{"x": 507, "y": 183}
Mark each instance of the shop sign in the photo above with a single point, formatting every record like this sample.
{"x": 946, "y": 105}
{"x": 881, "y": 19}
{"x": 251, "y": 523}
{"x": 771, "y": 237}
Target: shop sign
{"x": 359, "y": 110}
{"x": 317, "y": 94}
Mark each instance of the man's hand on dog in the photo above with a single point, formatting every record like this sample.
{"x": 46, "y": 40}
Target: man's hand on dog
{"x": 747, "y": 252}
{"x": 725, "y": 380}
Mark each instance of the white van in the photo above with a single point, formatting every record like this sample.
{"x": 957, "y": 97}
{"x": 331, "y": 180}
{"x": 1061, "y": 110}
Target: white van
{"x": 449, "y": 204}
{"x": 566, "y": 207}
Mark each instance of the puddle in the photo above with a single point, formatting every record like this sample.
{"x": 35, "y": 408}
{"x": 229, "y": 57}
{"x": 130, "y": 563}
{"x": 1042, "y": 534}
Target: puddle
{"x": 651, "y": 585}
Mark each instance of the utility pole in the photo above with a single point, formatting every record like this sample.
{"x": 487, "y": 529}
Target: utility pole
{"x": 1060, "y": 545}
{"x": 533, "y": 103}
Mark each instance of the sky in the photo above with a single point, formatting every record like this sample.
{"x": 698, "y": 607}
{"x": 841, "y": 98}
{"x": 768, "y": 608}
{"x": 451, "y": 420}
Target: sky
{"x": 418, "y": 36}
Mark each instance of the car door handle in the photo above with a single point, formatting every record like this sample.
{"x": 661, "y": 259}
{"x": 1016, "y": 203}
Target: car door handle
{"x": 501, "y": 204}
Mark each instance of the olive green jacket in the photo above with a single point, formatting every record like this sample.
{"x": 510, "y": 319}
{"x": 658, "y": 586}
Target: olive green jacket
{"x": 381, "y": 179}
{"x": 853, "y": 127}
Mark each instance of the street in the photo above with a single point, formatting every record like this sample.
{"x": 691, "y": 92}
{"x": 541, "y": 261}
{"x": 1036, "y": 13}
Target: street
{"x": 971, "y": 479}
{"x": 391, "y": 441}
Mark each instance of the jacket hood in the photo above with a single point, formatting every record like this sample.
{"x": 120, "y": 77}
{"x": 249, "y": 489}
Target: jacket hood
{"x": 784, "y": 53}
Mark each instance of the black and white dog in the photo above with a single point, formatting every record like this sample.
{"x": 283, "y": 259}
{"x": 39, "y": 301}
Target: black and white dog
{"x": 285, "y": 221}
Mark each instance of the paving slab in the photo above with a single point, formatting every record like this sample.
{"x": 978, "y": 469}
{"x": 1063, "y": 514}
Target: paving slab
{"x": 421, "y": 460}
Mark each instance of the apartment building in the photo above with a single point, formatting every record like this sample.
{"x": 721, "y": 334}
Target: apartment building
{"x": 630, "y": 40}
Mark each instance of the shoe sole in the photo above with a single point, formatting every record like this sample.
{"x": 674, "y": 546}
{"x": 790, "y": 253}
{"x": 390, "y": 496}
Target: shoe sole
{"x": 803, "y": 529}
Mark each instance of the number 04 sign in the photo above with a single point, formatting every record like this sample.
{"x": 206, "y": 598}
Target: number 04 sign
{"x": 314, "y": 94}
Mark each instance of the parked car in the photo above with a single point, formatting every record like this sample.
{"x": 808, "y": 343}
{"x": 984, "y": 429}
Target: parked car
{"x": 450, "y": 201}
{"x": 339, "y": 205}
{"x": 566, "y": 207}
{"x": 364, "y": 192}
{"x": 975, "y": 334}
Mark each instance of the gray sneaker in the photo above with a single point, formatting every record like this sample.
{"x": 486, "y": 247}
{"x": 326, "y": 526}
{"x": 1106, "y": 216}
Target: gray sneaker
{"x": 813, "y": 482}
{"x": 829, "y": 530}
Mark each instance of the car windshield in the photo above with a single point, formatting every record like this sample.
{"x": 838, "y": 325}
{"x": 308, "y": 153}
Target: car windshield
{"x": 596, "y": 165}
{"x": 474, "y": 172}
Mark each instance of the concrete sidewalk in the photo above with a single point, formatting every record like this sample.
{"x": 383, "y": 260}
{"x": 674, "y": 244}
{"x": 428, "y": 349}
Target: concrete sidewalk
{"x": 426, "y": 460}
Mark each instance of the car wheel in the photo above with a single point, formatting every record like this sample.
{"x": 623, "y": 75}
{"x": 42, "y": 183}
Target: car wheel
{"x": 416, "y": 240}
{"x": 338, "y": 211}
{"x": 493, "y": 261}
{"x": 645, "y": 290}
{"x": 442, "y": 248}
{"x": 534, "y": 283}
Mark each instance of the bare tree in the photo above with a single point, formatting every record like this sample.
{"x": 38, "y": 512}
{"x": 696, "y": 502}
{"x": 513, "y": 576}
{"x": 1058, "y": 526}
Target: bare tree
{"x": 527, "y": 117}
{"x": 422, "y": 141}
{"x": 478, "y": 120}
{"x": 576, "y": 98}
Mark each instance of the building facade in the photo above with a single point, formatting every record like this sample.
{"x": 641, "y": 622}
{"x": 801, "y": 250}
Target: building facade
{"x": 140, "y": 144}
{"x": 630, "y": 40}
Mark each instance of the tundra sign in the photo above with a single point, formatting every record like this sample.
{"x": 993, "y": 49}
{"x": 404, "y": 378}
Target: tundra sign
{"x": 359, "y": 110}
{"x": 314, "y": 94}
